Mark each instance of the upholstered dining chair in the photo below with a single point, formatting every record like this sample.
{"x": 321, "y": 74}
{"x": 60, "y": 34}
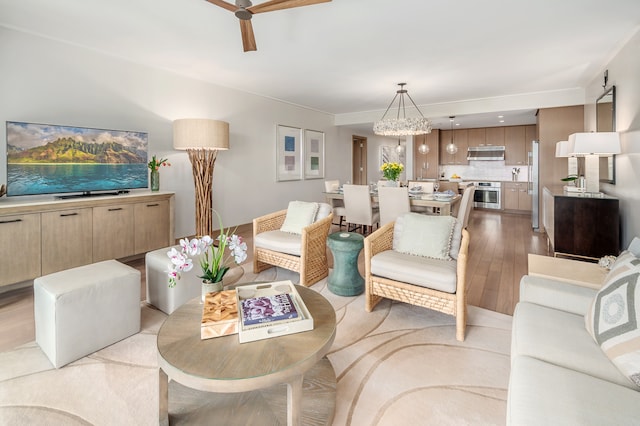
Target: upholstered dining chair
{"x": 393, "y": 202}
{"x": 360, "y": 211}
{"x": 420, "y": 260}
{"x": 427, "y": 188}
{"x": 462, "y": 210}
{"x": 294, "y": 239}
{"x": 337, "y": 205}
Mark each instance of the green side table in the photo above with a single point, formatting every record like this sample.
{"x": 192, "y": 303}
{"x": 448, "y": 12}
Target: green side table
{"x": 345, "y": 280}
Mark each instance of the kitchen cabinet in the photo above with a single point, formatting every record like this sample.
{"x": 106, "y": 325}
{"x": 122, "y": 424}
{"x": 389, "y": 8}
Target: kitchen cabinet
{"x": 517, "y": 197}
{"x": 426, "y": 165}
{"x": 515, "y": 153}
{"x": 579, "y": 225}
{"x": 494, "y": 136}
{"x": 461, "y": 140}
{"x": 477, "y": 137}
{"x": 59, "y": 234}
{"x": 19, "y": 232}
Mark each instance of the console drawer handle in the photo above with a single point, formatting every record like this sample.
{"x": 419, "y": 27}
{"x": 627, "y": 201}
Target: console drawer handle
{"x": 115, "y": 209}
{"x": 153, "y": 205}
{"x": 11, "y": 221}
{"x": 69, "y": 214}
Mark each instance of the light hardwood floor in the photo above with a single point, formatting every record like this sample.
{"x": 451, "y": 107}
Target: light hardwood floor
{"x": 498, "y": 259}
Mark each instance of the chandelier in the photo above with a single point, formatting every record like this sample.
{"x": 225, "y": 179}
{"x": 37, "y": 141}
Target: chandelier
{"x": 402, "y": 125}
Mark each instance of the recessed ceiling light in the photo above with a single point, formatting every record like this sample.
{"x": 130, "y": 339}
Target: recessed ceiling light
{"x": 501, "y": 121}
{"x": 457, "y": 124}
{"x": 501, "y": 116}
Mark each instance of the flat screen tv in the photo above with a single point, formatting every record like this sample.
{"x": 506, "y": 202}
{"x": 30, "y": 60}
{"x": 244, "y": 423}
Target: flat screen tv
{"x": 52, "y": 159}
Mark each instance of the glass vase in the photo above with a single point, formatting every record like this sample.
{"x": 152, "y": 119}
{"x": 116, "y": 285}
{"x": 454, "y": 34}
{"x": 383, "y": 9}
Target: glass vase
{"x": 155, "y": 180}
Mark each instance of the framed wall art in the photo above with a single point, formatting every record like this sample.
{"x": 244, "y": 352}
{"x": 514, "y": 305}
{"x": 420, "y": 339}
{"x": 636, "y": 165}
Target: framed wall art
{"x": 288, "y": 153}
{"x": 313, "y": 154}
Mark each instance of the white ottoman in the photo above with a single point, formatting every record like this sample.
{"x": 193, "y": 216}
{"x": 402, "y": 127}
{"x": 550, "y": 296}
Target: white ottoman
{"x": 84, "y": 309}
{"x": 168, "y": 299}
{"x": 159, "y": 294}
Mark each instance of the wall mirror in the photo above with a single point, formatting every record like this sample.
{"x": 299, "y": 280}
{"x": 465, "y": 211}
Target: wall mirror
{"x": 606, "y": 122}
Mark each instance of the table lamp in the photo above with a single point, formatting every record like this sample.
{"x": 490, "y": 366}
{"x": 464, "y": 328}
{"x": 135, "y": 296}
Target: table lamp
{"x": 592, "y": 146}
{"x": 562, "y": 151}
{"x": 202, "y": 139}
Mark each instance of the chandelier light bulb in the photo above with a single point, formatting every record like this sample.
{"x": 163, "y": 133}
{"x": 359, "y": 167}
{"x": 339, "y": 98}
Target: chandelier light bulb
{"x": 423, "y": 149}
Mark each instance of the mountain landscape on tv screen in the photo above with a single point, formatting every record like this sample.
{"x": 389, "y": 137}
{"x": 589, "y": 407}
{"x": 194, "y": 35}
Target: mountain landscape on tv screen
{"x": 70, "y": 150}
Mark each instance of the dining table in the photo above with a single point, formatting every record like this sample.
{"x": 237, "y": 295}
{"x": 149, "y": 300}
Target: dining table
{"x": 440, "y": 206}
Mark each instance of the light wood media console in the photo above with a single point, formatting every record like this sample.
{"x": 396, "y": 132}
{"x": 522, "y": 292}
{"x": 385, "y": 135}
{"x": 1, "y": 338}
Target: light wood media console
{"x": 49, "y": 235}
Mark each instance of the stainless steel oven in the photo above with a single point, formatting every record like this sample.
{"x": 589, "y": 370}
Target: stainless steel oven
{"x": 487, "y": 195}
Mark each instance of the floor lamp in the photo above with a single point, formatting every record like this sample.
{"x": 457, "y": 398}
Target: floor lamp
{"x": 202, "y": 139}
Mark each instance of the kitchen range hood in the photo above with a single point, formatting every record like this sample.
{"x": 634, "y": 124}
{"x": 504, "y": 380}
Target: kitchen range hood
{"x": 485, "y": 153}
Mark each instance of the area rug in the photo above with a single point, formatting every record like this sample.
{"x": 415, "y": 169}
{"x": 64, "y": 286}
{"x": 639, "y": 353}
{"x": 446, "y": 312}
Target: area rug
{"x": 399, "y": 364}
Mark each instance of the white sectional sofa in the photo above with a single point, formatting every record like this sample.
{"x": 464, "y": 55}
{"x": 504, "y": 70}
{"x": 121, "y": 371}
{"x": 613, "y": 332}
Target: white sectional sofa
{"x": 559, "y": 374}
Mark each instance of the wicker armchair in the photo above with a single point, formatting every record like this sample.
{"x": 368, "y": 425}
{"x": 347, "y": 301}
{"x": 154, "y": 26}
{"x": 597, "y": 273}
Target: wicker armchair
{"x": 311, "y": 262}
{"x": 379, "y": 287}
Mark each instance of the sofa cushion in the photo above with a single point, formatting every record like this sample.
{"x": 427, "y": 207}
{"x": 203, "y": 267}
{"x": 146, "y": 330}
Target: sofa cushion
{"x": 422, "y": 271}
{"x": 280, "y": 241}
{"x": 613, "y": 317}
{"x": 324, "y": 210}
{"x": 422, "y": 235}
{"x": 299, "y": 215}
{"x": 545, "y": 394}
{"x": 575, "y": 299}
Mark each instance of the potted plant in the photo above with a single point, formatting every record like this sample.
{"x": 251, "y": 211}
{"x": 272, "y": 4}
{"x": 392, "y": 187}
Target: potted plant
{"x": 154, "y": 165}
{"x": 214, "y": 262}
{"x": 391, "y": 171}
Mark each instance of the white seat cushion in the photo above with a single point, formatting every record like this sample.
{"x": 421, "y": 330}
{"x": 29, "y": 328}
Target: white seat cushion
{"x": 560, "y": 338}
{"x": 422, "y": 271}
{"x": 544, "y": 394}
{"x": 279, "y": 241}
{"x": 299, "y": 215}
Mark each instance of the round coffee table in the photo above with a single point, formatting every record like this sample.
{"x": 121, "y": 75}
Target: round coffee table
{"x": 225, "y": 366}
{"x": 345, "y": 280}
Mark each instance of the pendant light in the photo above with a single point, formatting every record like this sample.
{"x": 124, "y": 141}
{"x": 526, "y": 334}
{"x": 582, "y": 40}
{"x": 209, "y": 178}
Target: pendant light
{"x": 451, "y": 147}
{"x": 424, "y": 148}
{"x": 399, "y": 148}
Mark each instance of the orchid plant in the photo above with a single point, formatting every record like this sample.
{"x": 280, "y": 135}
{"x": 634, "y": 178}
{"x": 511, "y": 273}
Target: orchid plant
{"x": 214, "y": 262}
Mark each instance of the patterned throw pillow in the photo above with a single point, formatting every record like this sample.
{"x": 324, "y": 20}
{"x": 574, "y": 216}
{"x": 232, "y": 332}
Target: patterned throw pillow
{"x": 300, "y": 214}
{"x": 613, "y": 318}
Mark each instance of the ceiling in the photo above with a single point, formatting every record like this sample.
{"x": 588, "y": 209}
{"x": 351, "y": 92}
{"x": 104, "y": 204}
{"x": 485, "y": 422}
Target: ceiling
{"x": 347, "y": 56}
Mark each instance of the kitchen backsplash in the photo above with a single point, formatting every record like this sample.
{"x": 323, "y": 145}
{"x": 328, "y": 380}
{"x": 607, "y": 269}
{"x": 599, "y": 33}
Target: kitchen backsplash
{"x": 485, "y": 170}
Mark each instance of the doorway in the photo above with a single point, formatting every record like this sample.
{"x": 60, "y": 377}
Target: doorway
{"x": 359, "y": 160}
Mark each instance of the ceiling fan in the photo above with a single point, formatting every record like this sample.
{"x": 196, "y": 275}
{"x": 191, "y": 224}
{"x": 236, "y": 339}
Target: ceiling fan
{"x": 244, "y": 10}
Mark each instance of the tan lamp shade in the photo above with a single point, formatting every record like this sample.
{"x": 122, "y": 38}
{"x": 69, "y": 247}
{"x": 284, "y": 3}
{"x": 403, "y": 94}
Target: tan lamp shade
{"x": 200, "y": 133}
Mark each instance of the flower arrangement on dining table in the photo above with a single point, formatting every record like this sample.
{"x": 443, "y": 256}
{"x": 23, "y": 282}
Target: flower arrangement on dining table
{"x": 391, "y": 171}
{"x": 213, "y": 262}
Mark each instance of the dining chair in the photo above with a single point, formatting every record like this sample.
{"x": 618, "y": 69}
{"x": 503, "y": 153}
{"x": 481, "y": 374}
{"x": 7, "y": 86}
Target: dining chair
{"x": 444, "y": 186}
{"x": 360, "y": 211}
{"x": 393, "y": 203}
{"x": 427, "y": 188}
{"x": 462, "y": 210}
{"x": 337, "y": 205}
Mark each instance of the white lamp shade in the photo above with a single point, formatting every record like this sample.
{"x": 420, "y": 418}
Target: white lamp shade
{"x": 562, "y": 149}
{"x": 594, "y": 143}
{"x": 197, "y": 133}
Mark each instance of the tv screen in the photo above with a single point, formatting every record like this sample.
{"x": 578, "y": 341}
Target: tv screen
{"x": 52, "y": 159}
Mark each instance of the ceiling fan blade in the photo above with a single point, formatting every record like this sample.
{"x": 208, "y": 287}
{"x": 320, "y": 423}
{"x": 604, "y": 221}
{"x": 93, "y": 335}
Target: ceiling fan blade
{"x": 248, "y": 39}
{"x": 282, "y": 4}
{"x": 224, "y": 5}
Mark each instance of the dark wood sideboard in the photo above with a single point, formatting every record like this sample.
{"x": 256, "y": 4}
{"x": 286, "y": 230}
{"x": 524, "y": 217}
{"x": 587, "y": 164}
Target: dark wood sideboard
{"x": 581, "y": 225}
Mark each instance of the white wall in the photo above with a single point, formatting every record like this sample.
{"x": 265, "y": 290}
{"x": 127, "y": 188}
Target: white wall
{"x": 45, "y": 81}
{"x": 624, "y": 73}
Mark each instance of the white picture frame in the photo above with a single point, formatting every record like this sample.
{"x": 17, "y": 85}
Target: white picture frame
{"x": 288, "y": 153}
{"x": 313, "y": 154}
